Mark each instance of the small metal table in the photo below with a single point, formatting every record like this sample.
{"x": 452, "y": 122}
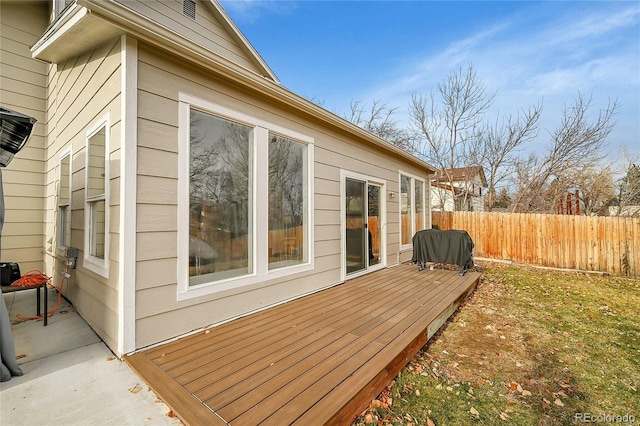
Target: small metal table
{"x": 43, "y": 286}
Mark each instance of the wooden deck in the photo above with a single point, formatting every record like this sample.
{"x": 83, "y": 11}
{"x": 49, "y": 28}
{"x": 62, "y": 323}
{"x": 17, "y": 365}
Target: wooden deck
{"x": 316, "y": 360}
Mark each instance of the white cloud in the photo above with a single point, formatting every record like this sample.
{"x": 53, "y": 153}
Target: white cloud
{"x": 591, "y": 52}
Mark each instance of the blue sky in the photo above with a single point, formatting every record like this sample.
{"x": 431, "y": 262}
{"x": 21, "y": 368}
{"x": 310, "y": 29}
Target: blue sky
{"x": 529, "y": 52}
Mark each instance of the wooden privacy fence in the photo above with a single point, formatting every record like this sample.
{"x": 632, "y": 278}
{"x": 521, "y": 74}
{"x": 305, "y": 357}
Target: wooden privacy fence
{"x": 590, "y": 243}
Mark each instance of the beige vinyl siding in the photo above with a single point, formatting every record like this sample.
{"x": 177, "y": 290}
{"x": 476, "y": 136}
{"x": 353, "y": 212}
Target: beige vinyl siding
{"x": 206, "y": 30}
{"x": 23, "y": 89}
{"x": 159, "y": 315}
{"x": 82, "y": 91}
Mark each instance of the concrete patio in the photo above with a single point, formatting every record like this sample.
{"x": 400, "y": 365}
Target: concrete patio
{"x": 70, "y": 376}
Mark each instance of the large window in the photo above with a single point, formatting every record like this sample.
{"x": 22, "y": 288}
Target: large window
{"x": 247, "y": 185}
{"x": 96, "y": 214}
{"x": 412, "y": 207}
{"x": 220, "y": 220}
{"x": 64, "y": 201}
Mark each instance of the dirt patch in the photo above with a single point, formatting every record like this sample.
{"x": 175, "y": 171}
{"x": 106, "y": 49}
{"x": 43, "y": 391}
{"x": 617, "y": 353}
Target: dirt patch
{"x": 529, "y": 346}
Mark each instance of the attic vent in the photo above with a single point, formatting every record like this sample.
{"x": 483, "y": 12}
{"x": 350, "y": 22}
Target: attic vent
{"x": 189, "y": 8}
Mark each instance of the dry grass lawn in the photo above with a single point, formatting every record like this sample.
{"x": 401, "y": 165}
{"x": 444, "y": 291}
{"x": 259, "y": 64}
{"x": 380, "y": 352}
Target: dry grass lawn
{"x": 530, "y": 346}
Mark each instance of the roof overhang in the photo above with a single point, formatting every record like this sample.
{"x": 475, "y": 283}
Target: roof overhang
{"x": 88, "y": 23}
{"x": 218, "y": 11}
{"x": 76, "y": 31}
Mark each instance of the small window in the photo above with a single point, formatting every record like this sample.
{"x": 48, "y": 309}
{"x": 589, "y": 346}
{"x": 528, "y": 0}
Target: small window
{"x": 419, "y": 205}
{"x": 405, "y": 209}
{"x": 412, "y": 207}
{"x": 189, "y": 8}
{"x": 96, "y": 212}
{"x": 64, "y": 202}
{"x": 288, "y": 234}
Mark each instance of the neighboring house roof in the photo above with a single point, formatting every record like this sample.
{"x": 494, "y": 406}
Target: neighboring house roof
{"x": 461, "y": 174}
{"x": 88, "y": 22}
{"x": 447, "y": 187}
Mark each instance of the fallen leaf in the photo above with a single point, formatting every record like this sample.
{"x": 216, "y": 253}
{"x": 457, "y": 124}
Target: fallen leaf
{"x": 513, "y": 386}
{"x": 525, "y": 392}
{"x": 504, "y": 416}
{"x": 439, "y": 386}
{"x": 558, "y": 402}
{"x": 430, "y": 422}
{"x": 171, "y": 414}
{"x": 207, "y": 331}
{"x": 111, "y": 358}
{"x": 368, "y": 419}
{"x": 20, "y": 356}
{"x": 474, "y": 412}
{"x": 135, "y": 389}
{"x": 417, "y": 392}
{"x": 511, "y": 401}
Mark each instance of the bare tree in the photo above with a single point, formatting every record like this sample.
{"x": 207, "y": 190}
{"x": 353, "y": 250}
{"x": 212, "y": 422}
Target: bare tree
{"x": 575, "y": 144}
{"x": 628, "y": 198}
{"x": 499, "y": 142}
{"x": 448, "y": 124}
{"x": 592, "y": 187}
{"x": 378, "y": 119}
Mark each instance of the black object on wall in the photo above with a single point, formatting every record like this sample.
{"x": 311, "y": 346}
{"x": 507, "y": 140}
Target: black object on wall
{"x": 15, "y": 131}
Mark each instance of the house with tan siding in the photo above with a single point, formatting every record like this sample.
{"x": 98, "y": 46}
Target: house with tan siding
{"x": 192, "y": 185}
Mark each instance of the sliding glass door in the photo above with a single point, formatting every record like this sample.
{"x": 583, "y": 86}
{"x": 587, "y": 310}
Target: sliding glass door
{"x": 363, "y": 225}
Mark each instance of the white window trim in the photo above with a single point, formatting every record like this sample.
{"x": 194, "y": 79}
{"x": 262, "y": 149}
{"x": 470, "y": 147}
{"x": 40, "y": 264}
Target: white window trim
{"x": 58, "y": 7}
{"x": 60, "y": 247}
{"x": 92, "y": 263}
{"x": 261, "y": 272}
{"x": 412, "y": 188}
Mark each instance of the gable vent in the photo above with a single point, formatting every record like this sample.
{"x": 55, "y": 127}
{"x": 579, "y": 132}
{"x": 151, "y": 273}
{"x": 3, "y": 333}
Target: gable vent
{"x": 189, "y": 8}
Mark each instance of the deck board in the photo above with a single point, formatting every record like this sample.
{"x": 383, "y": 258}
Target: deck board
{"x": 319, "y": 359}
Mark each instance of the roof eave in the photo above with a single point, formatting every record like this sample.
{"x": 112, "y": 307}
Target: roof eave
{"x": 146, "y": 30}
{"x": 226, "y": 20}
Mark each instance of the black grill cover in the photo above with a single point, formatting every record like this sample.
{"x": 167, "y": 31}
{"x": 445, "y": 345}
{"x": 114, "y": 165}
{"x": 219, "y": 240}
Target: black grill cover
{"x": 451, "y": 246}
